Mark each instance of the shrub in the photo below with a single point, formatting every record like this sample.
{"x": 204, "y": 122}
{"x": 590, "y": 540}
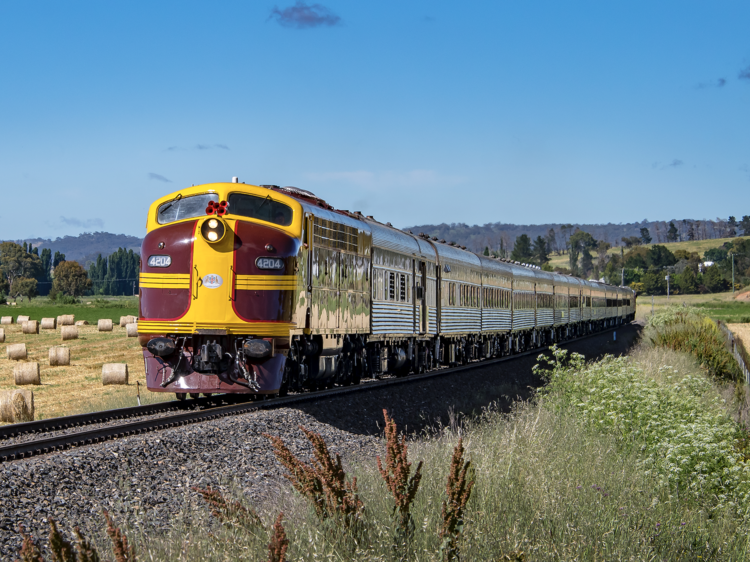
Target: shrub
{"x": 690, "y": 330}
{"x": 678, "y": 422}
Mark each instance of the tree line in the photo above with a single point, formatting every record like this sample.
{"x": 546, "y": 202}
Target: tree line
{"x": 643, "y": 269}
{"x": 25, "y": 272}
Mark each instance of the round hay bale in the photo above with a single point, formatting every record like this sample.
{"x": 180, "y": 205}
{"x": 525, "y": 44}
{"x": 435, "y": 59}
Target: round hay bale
{"x": 27, "y": 373}
{"x": 16, "y": 351}
{"x": 69, "y": 333}
{"x": 114, "y": 373}
{"x": 16, "y": 405}
{"x": 67, "y": 319}
{"x": 22, "y": 319}
{"x": 31, "y": 327}
{"x": 82, "y": 322}
{"x": 49, "y": 323}
{"x": 2, "y": 335}
{"x": 104, "y": 325}
{"x": 132, "y": 330}
{"x": 6, "y": 320}
{"x": 125, "y": 320}
{"x": 59, "y": 356}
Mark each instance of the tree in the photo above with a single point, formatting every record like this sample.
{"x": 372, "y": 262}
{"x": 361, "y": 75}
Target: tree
{"x": 654, "y": 283}
{"x": 732, "y": 225}
{"x": 15, "y": 262}
{"x": 540, "y": 251}
{"x": 601, "y": 250}
{"x": 691, "y": 232}
{"x": 660, "y": 256}
{"x": 687, "y": 281}
{"x": 712, "y": 279}
{"x": 522, "y": 249}
{"x": 581, "y": 244}
{"x": 745, "y": 225}
{"x": 645, "y": 236}
{"x": 672, "y": 232}
{"x": 551, "y": 240}
{"x": 631, "y": 241}
{"x": 71, "y": 279}
{"x": 23, "y": 286}
{"x": 716, "y": 255}
{"x": 486, "y": 250}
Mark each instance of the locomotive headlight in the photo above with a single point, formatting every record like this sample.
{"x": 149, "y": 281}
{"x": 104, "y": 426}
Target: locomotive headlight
{"x": 213, "y": 230}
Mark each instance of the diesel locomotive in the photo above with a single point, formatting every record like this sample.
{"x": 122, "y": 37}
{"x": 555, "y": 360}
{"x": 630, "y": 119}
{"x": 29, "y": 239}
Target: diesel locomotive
{"x": 265, "y": 289}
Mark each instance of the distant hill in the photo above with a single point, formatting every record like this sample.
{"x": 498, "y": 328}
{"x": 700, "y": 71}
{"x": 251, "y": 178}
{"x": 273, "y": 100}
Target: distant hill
{"x": 85, "y": 247}
{"x": 498, "y": 236}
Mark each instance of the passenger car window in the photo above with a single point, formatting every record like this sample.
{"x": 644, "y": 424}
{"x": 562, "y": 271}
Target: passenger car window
{"x": 184, "y": 208}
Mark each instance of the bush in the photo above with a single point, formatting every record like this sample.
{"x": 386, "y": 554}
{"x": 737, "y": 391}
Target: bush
{"x": 689, "y": 329}
{"x": 677, "y": 422}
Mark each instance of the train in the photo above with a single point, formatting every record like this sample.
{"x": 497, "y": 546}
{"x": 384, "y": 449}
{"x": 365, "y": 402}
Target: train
{"x": 263, "y": 290}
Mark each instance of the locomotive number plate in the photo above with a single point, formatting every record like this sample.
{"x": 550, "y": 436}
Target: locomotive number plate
{"x": 269, "y": 263}
{"x": 212, "y": 281}
{"x": 159, "y": 261}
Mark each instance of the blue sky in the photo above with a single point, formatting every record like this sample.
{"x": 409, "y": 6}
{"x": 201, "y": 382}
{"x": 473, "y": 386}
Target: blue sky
{"x": 415, "y": 112}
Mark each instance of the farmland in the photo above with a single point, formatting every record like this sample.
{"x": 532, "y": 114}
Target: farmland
{"x": 698, "y": 246}
{"x": 78, "y": 388}
{"x": 719, "y": 306}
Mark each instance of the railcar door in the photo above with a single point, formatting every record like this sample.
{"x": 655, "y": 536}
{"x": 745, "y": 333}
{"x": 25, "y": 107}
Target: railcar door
{"x": 420, "y": 297}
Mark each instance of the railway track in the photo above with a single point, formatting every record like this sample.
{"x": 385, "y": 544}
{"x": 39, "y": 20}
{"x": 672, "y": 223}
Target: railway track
{"x": 192, "y": 411}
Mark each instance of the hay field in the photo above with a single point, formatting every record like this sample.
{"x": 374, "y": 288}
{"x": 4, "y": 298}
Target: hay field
{"x": 78, "y": 388}
{"x": 742, "y": 332}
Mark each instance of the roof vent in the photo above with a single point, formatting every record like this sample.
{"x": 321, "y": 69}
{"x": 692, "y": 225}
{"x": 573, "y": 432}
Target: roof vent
{"x": 235, "y": 179}
{"x": 371, "y": 217}
{"x": 388, "y": 224}
{"x": 434, "y": 238}
{"x": 442, "y": 241}
{"x": 270, "y": 186}
{"x": 463, "y": 247}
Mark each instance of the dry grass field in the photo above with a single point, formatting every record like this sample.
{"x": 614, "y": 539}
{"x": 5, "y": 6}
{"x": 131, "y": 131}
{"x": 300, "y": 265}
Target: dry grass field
{"x": 742, "y": 332}
{"x": 78, "y": 388}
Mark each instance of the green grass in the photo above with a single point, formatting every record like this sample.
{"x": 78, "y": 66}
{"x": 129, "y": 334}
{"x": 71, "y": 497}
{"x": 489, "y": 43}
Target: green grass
{"x": 699, "y": 246}
{"x": 100, "y": 307}
{"x": 729, "y": 312}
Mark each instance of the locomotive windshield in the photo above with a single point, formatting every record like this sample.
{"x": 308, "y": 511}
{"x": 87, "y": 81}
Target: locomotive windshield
{"x": 184, "y": 207}
{"x": 262, "y": 208}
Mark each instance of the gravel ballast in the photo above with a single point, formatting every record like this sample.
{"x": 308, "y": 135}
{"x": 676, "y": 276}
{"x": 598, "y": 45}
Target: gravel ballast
{"x": 152, "y": 473}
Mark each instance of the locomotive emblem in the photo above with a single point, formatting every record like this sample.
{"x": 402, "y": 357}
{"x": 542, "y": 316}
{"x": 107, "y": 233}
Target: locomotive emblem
{"x": 212, "y": 281}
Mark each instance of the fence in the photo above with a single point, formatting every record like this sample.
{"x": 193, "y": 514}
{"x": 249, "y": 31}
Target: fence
{"x": 737, "y": 349}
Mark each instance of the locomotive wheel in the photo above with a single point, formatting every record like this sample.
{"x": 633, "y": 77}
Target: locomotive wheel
{"x": 195, "y": 395}
{"x": 180, "y": 395}
{"x": 284, "y": 388}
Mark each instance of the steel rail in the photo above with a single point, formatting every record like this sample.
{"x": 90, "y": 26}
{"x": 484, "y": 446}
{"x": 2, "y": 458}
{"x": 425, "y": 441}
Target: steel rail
{"x": 61, "y": 442}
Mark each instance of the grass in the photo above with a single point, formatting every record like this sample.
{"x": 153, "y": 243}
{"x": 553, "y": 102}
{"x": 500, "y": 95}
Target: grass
{"x": 635, "y": 458}
{"x": 699, "y": 246}
{"x": 551, "y": 484}
{"x": 99, "y": 307}
{"x": 718, "y": 306}
{"x": 78, "y": 388}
